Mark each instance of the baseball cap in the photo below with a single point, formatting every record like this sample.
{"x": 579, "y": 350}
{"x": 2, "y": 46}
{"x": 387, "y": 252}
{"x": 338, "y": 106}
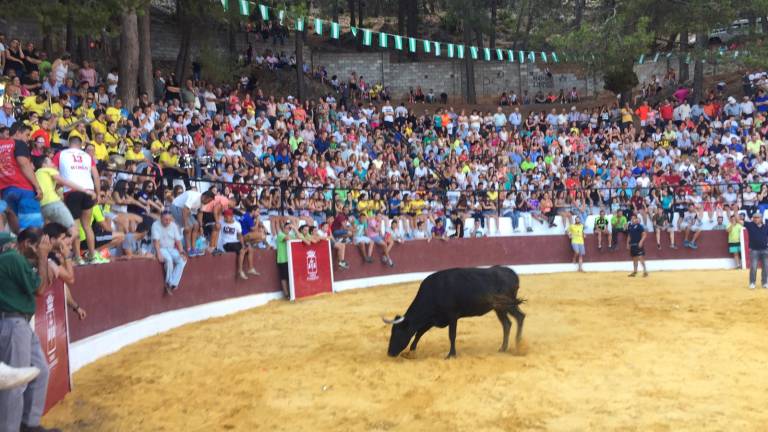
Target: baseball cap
{"x": 229, "y": 212}
{"x": 5, "y": 238}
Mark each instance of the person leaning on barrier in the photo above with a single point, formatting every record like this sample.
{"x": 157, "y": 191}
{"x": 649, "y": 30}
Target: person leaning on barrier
{"x": 22, "y": 407}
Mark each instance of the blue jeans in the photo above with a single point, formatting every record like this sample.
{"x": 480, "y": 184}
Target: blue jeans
{"x": 25, "y": 206}
{"x": 756, "y": 255}
{"x": 174, "y": 265}
{"x": 20, "y": 347}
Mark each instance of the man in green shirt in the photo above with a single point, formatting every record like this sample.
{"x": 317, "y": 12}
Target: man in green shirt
{"x": 288, "y": 232}
{"x": 618, "y": 225}
{"x": 22, "y": 407}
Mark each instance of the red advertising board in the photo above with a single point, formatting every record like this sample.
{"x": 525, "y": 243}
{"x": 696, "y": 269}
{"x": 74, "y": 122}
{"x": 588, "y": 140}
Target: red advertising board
{"x": 52, "y": 329}
{"x": 310, "y": 270}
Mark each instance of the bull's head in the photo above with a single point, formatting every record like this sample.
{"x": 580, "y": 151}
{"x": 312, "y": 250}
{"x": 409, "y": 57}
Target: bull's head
{"x": 401, "y": 335}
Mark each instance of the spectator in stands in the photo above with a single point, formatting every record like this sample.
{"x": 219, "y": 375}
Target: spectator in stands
{"x": 618, "y": 226}
{"x": 166, "y": 239}
{"x": 575, "y": 232}
{"x": 233, "y": 241}
{"x": 601, "y": 229}
{"x": 18, "y": 184}
{"x": 23, "y": 275}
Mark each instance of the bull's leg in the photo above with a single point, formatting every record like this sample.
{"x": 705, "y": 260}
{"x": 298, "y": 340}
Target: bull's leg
{"x": 519, "y": 317}
{"x": 419, "y": 334}
{"x": 452, "y": 337}
{"x": 506, "y": 324}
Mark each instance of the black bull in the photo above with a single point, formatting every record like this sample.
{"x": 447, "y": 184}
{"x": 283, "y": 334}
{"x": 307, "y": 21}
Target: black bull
{"x": 448, "y": 295}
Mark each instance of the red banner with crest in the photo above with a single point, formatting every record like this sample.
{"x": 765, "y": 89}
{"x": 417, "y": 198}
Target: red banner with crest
{"x": 52, "y": 329}
{"x": 310, "y": 268}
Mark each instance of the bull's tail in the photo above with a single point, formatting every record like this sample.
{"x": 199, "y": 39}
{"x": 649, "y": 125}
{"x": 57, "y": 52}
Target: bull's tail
{"x": 506, "y": 302}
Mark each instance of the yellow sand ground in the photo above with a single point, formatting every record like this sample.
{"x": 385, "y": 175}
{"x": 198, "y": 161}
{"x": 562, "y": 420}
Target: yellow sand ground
{"x": 677, "y": 351}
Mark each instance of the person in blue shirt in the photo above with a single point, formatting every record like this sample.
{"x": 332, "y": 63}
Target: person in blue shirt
{"x": 635, "y": 238}
{"x": 758, "y": 249}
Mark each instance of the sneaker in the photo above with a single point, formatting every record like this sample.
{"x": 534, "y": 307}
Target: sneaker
{"x": 633, "y": 274}
{"x": 369, "y": 259}
{"x": 645, "y": 274}
{"x": 80, "y": 261}
{"x": 217, "y": 252}
{"x": 242, "y": 275}
{"x": 751, "y": 286}
{"x": 254, "y": 272}
{"x": 529, "y": 229}
{"x": 693, "y": 245}
{"x": 97, "y": 259}
{"x": 658, "y": 246}
{"x": 11, "y": 377}
{"x": 686, "y": 243}
{"x": 25, "y": 428}
{"x": 168, "y": 289}
{"x": 343, "y": 264}
{"x": 599, "y": 247}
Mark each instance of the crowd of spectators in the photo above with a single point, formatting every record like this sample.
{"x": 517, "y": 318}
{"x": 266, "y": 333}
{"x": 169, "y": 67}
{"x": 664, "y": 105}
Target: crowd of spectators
{"x": 356, "y": 168}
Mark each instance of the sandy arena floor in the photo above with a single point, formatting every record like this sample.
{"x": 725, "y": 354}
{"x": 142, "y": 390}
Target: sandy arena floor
{"x": 677, "y": 351}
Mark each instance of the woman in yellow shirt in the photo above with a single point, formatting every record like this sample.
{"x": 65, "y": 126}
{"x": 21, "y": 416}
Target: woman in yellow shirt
{"x": 135, "y": 152}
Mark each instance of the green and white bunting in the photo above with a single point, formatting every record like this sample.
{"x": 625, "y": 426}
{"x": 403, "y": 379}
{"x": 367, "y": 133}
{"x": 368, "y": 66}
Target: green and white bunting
{"x": 367, "y": 37}
{"x": 411, "y": 44}
{"x": 334, "y": 30}
{"x": 532, "y": 57}
{"x": 382, "y": 40}
{"x": 437, "y": 49}
{"x": 543, "y": 56}
{"x": 473, "y": 52}
{"x": 450, "y": 50}
{"x": 281, "y": 16}
{"x": 499, "y": 54}
{"x": 245, "y": 7}
{"x": 353, "y": 30}
{"x": 656, "y": 57}
{"x": 225, "y": 5}
{"x": 487, "y": 54}
{"x": 554, "y": 57}
{"x": 264, "y": 10}
{"x": 521, "y": 56}
{"x": 460, "y": 51}
{"x": 398, "y": 42}
{"x": 318, "y": 26}
{"x": 641, "y": 60}
{"x": 300, "y": 24}
{"x": 427, "y": 45}
{"x": 511, "y": 56}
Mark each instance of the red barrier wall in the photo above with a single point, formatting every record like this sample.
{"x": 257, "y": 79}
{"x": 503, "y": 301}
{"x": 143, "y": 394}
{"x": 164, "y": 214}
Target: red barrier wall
{"x": 121, "y": 292}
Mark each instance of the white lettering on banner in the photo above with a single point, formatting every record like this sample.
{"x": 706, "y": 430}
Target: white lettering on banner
{"x": 312, "y": 266}
{"x": 50, "y": 321}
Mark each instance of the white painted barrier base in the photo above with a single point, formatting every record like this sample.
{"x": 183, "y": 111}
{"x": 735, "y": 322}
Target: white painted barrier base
{"x": 94, "y": 347}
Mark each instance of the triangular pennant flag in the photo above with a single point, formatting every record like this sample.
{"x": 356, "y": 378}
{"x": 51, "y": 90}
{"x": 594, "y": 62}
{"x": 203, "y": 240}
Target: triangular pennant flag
{"x": 641, "y": 59}
{"x": 437, "y": 49}
{"x": 473, "y": 52}
{"x": 411, "y": 44}
{"x": 334, "y": 30}
{"x": 656, "y": 57}
{"x": 398, "y": 42}
{"x": 245, "y": 7}
{"x": 353, "y": 30}
{"x": 300, "y": 24}
{"x": 367, "y": 37}
{"x": 554, "y": 57}
{"x": 543, "y": 56}
{"x": 669, "y": 54}
{"x": 487, "y": 54}
{"x": 264, "y": 12}
{"x": 383, "y": 40}
{"x": 460, "y": 51}
{"x": 532, "y": 57}
{"x": 319, "y": 26}
{"x": 426, "y": 44}
{"x": 450, "y": 50}
{"x": 499, "y": 54}
{"x": 225, "y": 5}
{"x": 521, "y": 56}
{"x": 281, "y": 16}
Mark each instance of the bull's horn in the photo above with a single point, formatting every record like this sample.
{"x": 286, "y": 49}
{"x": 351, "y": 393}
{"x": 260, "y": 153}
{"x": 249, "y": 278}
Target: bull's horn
{"x": 398, "y": 319}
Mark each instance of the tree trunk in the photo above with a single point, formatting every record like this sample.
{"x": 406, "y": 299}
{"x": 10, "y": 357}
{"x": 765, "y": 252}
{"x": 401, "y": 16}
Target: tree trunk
{"x": 83, "y": 49}
{"x": 145, "y": 53}
{"x": 684, "y": 75}
{"x": 299, "y": 46}
{"x": 492, "y": 35}
{"x": 335, "y": 17}
{"x": 578, "y": 13}
{"x": 479, "y": 39}
{"x": 402, "y": 5}
{"x": 71, "y": 38}
{"x": 698, "y": 68}
{"x": 351, "y": 5}
{"x": 412, "y": 25}
{"x": 360, "y": 15}
{"x": 752, "y": 19}
{"x": 518, "y": 22}
{"x": 469, "y": 66}
{"x": 528, "y": 25}
{"x": 232, "y": 40}
{"x": 182, "y": 59}
{"x": 129, "y": 57}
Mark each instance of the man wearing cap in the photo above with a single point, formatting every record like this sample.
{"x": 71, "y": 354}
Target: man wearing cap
{"x": 22, "y": 407}
{"x": 166, "y": 238}
{"x": 758, "y": 249}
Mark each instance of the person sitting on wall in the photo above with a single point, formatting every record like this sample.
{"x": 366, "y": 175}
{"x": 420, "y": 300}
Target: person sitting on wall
{"x": 232, "y": 241}
{"x": 539, "y": 98}
{"x": 166, "y": 238}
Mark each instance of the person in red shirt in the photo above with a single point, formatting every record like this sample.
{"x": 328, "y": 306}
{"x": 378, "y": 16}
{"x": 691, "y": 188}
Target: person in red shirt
{"x": 18, "y": 184}
{"x": 666, "y": 111}
{"x": 642, "y": 113}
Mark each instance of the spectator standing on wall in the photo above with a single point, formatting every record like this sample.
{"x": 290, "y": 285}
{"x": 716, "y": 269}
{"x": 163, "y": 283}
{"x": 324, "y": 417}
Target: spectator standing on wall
{"x": 22, "y": 407}
{"x": 166, "y": 237}
{"x": 575, "y": 232}
{"x": 758, "y": 249}
{"x": 734, "y": 238}
{"x": 635, "y": 239}
{"x": 18, "y": 185}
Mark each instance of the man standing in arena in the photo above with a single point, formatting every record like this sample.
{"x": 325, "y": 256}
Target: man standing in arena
{"x": 758, "y": 249}
{"x": 22, "y": 407}
{"x": 576, "y": 233}
{"x": 635, "y": 239}
{"x": 78, "y": 167}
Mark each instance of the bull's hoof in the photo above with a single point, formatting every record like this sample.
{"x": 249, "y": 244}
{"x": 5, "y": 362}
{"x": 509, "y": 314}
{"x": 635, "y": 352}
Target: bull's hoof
{"x": 521, "y": 349}
{"x": 450, "y": 356}
{"x": 503, "y": 349}
{"x": 410, "y": 355}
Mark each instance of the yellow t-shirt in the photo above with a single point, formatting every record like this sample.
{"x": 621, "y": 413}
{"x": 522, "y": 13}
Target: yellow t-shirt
{"x": 626, "y": 115}
{"x": 47, "y": 185}
{"x": 75, "y": 133}
{"x": 113, "y": 114}
{"x": 168, "y": 160}
{"x": 66, "y": 122}
{"x": 577, "y": 233}
{"x": 98, "y": 127}
{"x": 133, "y": 156}
{"x": 111, "y": 142}
{"x": 100, "y": 151}
{"x": 30, "y": 104}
